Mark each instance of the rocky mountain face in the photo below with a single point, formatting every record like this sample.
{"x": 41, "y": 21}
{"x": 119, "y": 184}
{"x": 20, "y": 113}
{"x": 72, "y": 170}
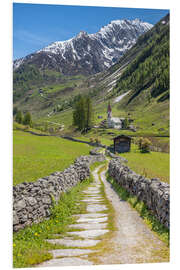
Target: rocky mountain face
{"x": 88, "y": 53}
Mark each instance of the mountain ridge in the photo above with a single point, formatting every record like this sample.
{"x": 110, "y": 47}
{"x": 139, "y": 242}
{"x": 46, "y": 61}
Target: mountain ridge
{"x": 88, "y": 53}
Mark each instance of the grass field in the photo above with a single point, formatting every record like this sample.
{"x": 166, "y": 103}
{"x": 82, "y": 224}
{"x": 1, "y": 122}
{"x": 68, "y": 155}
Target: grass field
{"x": 151, "y": 165}
{"x": 35, "y": 156}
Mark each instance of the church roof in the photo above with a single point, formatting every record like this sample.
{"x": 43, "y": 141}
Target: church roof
{"x": 116, "y": 119}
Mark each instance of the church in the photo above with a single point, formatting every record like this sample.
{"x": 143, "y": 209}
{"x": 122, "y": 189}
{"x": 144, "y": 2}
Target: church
{"x": 114, "y": 122}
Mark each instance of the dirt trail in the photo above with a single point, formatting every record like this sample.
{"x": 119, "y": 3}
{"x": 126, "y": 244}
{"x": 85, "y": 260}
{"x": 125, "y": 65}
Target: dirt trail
{"x": 91, "y": 238}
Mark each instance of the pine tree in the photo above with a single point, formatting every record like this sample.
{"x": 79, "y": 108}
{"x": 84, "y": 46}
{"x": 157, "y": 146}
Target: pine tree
{"x": 89, "y": 113}
{"x": 27, "y": 119}
{"x": 15, "y": 110}
{"x": 82, "y": 114}
{"x": 19, "y": 117}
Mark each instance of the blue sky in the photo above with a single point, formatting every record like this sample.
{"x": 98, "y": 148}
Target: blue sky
{"x": 35, "y": 26}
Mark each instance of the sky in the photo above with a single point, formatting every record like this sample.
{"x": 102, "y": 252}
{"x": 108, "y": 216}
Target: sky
{"x": 36, "y": 25}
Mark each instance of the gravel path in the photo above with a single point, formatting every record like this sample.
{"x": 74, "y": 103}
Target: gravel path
{"x": 130, "y": 242}
{"x": 133, "y": 241}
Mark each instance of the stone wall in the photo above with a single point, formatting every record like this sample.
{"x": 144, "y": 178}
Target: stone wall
{"x": 154, "y": 193}
{"x": 32, "y": 201}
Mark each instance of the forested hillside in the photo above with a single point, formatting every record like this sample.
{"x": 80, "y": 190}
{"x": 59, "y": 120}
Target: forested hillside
{"x": 150, "y": 68}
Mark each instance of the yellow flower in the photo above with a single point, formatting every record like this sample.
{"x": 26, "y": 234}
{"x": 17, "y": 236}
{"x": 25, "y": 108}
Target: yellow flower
{"x": 36, "y": 234}
{"x": 14, "y": 245}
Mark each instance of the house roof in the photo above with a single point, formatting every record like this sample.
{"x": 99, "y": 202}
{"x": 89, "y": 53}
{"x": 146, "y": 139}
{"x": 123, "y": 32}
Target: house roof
{"x": 116, "y": 120}
{"x": 122, "y": 136}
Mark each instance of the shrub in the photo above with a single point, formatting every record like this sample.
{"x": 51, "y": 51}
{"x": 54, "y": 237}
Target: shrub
{"x": 19, "y": 117}
{"x": 139, "y": 142}
{"x": 26, "y": 128}
{"x": 27, "y": 119}
{"x": 126, "y": 123}
{"x": 144, "y": 145}
{"x": 97, "y": 140}
{"x": 91, "y": 140}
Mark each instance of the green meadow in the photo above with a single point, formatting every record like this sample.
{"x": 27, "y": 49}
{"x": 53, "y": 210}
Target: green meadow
{"x": 38, "y": 156}
{"x": 151, "y": 165}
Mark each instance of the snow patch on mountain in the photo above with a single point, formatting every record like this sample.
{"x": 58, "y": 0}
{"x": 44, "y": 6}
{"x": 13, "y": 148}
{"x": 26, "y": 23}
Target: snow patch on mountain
{"x": 98, "y": 51}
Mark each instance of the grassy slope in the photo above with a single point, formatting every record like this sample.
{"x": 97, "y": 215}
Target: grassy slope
{"x": 56, "y": 89}
{"x": 35, "y": 156}
{"x": 150, "y": 117}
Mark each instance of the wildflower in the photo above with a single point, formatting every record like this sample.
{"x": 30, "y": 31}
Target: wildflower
{"x": 36, "y": 234}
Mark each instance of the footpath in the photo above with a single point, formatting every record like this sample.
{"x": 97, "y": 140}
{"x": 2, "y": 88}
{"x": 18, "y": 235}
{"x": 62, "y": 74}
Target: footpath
{"x": 109, "y": 232}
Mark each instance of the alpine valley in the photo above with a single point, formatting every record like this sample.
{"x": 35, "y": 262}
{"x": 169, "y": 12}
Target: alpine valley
{"x": 125, "y": 64}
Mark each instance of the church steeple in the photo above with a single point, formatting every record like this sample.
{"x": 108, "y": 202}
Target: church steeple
{"x": 109, "y": 111}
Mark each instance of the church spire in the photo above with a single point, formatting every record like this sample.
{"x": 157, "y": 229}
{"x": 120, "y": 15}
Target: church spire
{"x": 109, "y": 111}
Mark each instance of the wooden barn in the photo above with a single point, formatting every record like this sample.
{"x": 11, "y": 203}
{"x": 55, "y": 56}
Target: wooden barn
{"x": 122, "y": 143}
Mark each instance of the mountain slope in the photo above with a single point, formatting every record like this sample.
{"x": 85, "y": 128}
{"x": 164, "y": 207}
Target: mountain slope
{"x": 149, "y": 67}
{"x": 143, "y": 103}
{"x": 88, "y": 53}
{"x": 142, "y": 73}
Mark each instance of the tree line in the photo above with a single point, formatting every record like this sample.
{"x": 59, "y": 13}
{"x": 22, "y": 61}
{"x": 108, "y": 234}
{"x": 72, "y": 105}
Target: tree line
{"x": 150, "y": 69}
{"x": 21, "y": 118}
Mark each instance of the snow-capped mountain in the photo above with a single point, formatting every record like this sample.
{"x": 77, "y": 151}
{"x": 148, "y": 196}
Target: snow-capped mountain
{"x": 88, "y": 53}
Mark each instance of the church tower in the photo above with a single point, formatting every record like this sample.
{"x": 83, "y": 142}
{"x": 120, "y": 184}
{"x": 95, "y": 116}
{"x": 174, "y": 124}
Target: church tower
{"x": 109, "y": 116}
{"x": 109, "y": 111}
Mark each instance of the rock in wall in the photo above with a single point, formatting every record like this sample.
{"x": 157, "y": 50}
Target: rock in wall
{"x": 32, "y": 201}
{"x": 154, "y": 193}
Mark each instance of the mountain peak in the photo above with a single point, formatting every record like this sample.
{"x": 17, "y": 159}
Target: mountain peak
{"x": 81, "y": 55}
{"x": 82, "y": 34}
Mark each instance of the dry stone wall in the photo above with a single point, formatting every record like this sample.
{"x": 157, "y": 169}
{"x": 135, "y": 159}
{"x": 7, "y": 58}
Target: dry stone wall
{"x": 32, "y": 201}
{"x": 154, "y": 193}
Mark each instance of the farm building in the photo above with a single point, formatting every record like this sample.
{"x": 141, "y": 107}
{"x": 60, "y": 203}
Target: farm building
{"x": 122, "y": 144}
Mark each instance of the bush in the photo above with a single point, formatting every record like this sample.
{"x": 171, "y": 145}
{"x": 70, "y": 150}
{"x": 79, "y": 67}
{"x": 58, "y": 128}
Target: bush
{"x": 27, "y": 119}
{"x": 26, "y": 128}
{"x": 19, "y": 117}
{"x": 126, "y": 123}
{"x": 97, "y": 140}
{"x": 144, "y": 145}
{"x": 92, "y": 140}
